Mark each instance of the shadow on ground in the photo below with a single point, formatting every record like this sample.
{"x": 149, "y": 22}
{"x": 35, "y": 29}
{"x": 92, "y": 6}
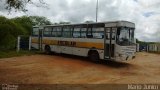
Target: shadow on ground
{"x": 108, "y": 63}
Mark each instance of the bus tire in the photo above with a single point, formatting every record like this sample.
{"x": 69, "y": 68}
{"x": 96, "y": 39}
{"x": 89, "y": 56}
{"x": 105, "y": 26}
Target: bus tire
{"x": 93, "y": 55}
{"x": 47, "y": 49}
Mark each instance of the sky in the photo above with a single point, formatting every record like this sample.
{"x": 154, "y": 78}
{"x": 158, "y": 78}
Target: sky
{"x": 144, "y": 13}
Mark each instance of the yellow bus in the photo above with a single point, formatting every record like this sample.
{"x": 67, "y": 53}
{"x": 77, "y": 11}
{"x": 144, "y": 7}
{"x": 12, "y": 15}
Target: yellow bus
{"x": 99, "y": 41}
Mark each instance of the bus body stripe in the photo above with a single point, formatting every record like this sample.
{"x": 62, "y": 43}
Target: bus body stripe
{"x": 71, "y": 43}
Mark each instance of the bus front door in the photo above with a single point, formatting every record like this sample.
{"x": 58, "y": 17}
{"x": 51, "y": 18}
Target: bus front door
{"x": 109, "y": 43}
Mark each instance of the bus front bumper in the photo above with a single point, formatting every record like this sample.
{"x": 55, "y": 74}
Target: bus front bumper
{"x": 125, "y": 57}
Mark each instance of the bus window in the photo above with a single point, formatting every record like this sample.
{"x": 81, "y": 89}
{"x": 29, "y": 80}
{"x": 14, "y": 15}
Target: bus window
{"x": 89, "y": 33}
{"x": 47, "y": 31}
{"x": 114, "y": 33}
{"x": 59, "y": 32}
{"x": 131, "y": 35}
{"x": 113, "y": 36}
{"x": 98, "y": 33}
{"x": 54, "y": 32}
{"x": 76, "y": 32}
{"x": 35, "y": 32}
{"x": 67, "y": 32}
{"x": 108, "y": 33}
{"x": 83, "y": 32}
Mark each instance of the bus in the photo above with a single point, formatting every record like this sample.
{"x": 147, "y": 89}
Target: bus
{"x": 112, "y": 40}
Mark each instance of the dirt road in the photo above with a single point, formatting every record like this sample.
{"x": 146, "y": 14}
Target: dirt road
{"x": 63, "y": 69}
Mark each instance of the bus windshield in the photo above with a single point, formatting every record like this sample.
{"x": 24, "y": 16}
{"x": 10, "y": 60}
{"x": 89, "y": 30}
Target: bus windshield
{"x": 125, "y": 36}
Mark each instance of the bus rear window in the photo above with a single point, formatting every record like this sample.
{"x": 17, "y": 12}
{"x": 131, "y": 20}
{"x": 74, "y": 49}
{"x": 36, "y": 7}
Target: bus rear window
{"x": 35, "y": 31}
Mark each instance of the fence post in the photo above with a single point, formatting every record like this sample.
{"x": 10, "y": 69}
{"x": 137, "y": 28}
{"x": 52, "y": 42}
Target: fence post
{"x": 30, "y": 43}
{"x": 147, "y": 48}
{"x": 18, "y": 43}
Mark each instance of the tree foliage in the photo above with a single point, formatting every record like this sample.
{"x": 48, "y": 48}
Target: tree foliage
{"x": 8, "y": 33}
{"x": 16, "y": 4}
{"x": 23, "y": 22}
{"x": 39, "y": 20}
{"x": 11, "y": 28}
{"x": 19, "y": 4}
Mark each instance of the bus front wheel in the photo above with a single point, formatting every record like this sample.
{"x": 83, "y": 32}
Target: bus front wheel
{"x": 93, "y": 55}
{"x": 47, "y": 49}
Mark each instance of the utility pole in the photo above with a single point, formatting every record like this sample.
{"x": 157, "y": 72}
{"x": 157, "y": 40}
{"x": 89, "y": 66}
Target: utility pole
{"x": 97, "y": 11}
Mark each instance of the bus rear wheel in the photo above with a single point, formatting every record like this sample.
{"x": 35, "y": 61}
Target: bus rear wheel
{"x": 47, "y": 49}
{"x": 94, "y": 56}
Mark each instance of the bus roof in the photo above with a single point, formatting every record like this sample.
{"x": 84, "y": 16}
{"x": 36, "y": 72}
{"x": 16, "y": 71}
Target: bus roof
{"x": 85, "y": 23}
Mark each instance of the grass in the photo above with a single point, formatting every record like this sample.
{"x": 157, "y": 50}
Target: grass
{"x": 14, "y": 53}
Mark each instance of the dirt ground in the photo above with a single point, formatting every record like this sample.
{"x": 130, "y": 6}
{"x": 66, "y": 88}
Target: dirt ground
{"x": 64, "y": 69}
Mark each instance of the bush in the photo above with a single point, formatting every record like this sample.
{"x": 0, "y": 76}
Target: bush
{"x": 11, "y": 28}
{"x": 8, "y": 33}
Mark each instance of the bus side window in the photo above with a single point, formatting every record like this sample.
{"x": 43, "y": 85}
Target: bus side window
{"x": 54, "y": 32}
{"x": 89, "y": 33}
{"x": 59, "y": 31}
{"x": 83, "y": 32}
{"x": 47, "y": 31}
{"x": 67, "y": 32}
{"x": 98, "y": 33}
{"x": 76, "y": 32}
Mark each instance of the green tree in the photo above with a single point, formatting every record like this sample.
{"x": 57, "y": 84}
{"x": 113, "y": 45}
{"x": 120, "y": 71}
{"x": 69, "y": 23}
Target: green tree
{"x": 39, "y": 20}
{"x": 24, "y": 22}
{"x": 8, "y": 33}
{"x": 62, "y": 22}
{"x": 19, "y": 4}
{"x": 11, "y": 28}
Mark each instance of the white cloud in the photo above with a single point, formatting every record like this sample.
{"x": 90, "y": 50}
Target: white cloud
{"x": 144, "y": 13}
